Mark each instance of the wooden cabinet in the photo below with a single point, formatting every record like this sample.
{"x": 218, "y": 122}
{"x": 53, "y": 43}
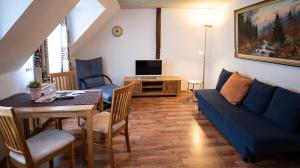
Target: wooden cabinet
{"x": 155, "y": 86}
{"x": 170, "y": 87}
{"x": 137, "y": 87}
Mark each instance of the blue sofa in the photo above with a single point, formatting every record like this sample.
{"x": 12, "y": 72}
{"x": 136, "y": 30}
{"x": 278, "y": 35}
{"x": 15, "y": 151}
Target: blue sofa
{"x": 260, "y": 125}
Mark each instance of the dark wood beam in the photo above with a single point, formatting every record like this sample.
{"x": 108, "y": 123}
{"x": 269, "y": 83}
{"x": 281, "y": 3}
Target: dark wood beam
{"x": 158, "y": 32}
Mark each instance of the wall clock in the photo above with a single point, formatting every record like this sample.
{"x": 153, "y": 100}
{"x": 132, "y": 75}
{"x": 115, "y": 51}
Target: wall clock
{"x": 117, "y": 31}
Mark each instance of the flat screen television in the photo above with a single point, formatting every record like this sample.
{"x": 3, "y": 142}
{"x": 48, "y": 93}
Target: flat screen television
{"x": 148, "y": 67}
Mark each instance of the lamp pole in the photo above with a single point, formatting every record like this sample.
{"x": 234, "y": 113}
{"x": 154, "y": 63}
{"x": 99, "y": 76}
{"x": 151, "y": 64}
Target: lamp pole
{"x": 204, "y": 56}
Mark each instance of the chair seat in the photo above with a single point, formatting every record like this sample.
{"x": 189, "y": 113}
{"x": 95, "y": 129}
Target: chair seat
{"x": 101, "y": 123}
{"x": 107, "y": 91}
{"x": 43, "y": 144}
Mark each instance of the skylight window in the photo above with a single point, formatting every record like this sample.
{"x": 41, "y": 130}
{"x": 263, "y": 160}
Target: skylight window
{"x": 55, "y": 42}
{"x": 10, "y": 12}
{"x": 83, "y": 16}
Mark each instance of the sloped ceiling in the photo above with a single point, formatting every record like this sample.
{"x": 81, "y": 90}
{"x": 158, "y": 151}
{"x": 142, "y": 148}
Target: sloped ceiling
{"x": 111, "y": 8}
{"x": 30, "y": 30}
{"x": 136, "y": 4}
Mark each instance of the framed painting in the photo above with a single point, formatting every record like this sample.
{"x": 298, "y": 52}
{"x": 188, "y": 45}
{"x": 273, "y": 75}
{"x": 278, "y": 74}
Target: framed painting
{"x": 269, "y": 31}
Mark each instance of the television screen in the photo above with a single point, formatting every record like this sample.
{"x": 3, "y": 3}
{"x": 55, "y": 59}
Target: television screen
{"x": 148, "y": 67}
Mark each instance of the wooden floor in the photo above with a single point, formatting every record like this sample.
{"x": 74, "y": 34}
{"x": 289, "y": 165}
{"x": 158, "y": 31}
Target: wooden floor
{"x": 167, "y": 133}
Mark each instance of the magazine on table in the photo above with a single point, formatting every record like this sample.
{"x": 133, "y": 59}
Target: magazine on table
{"x": 46, "y": 98}
{"x": 59, "y": 95}
{"x": 68, "y": 94}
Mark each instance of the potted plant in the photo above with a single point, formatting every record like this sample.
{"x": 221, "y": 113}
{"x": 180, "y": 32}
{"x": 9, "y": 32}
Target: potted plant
{"x": 35, "y": 89}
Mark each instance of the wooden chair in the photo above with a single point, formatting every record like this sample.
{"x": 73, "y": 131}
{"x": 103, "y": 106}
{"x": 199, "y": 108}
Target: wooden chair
{"x": 37, "y": 150}
{"x": 111, "y": 124}
{"x": 64, "y": 81}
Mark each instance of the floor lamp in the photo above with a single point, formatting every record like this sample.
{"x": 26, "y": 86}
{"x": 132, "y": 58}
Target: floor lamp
{"x": 204, "y": 56}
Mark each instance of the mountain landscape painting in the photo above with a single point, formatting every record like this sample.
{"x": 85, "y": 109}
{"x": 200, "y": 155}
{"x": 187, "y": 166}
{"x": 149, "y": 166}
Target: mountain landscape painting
{"x": 269, "y": 31}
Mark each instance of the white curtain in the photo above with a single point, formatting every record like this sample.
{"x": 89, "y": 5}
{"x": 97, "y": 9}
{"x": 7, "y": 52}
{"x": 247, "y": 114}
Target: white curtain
{"x": 65, "y": 56}
{"x": 58, "y": 49}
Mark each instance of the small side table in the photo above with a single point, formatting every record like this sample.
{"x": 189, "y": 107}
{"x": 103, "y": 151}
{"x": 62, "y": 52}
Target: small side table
{"x": 191, "y": 90}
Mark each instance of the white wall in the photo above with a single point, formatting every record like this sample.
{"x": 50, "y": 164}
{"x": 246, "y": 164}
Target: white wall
{"x": 182, "y": 39}
{"x": 223, "y": 53}
{"x": 119, "y": 53}
{"x": 16, "y": 82}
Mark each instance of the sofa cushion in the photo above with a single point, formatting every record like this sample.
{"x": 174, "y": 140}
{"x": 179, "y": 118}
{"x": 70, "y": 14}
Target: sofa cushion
{"x": 284, "y": 110}
{"x": 244, "y": 129}
{"x": 236, "y": 88}
{"x": 259, "y": 97}
{"x": 223, "y": 78}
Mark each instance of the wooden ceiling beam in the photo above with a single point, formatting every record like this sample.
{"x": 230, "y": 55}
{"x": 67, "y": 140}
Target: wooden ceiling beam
{"x": 158, "y": 32}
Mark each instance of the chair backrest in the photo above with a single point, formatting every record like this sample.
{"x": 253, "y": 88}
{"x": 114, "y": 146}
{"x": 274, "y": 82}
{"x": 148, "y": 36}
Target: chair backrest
{"x": 120, "y": 103}
{"x": 64, "y": 80}
{"x": 90, "y": 71}
{"x": 13, "y": 138}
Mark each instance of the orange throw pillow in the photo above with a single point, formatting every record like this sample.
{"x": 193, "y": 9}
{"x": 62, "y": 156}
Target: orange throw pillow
{"x": 236, "y": 88}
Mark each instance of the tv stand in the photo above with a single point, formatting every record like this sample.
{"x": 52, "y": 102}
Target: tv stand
{"x": 155, "y": 86}
{"x": 148, "y": 77}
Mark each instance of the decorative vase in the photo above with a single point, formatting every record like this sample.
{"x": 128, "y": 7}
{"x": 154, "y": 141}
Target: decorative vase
{"x": 36, "y": 93}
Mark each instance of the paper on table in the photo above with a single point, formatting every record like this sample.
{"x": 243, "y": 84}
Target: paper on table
{"x": 46, "y": 99}
{"x": 77, "y": 92}
{"x": 68, "y": 94}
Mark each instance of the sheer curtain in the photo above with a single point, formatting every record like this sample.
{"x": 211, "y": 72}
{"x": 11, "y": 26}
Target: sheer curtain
{"x": 67, "y": 28}
{"x": 65, "y": 56}
{"x": 58, "y": 49}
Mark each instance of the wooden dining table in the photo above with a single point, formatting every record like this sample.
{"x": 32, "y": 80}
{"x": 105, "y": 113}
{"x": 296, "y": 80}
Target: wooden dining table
{"x": 84, "y": 105}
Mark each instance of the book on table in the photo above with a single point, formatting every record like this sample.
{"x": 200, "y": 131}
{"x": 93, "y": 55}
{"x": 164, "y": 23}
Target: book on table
{"x": 48, "y": 98}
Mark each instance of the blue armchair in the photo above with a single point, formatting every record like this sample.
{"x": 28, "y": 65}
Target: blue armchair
{"x": 90, "y": 76}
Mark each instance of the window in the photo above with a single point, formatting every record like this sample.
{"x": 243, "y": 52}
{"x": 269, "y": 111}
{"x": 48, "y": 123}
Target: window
{"x": 10, "y": 12}
{"x": 57, "y": 43}
{"x": 82, "y": 16}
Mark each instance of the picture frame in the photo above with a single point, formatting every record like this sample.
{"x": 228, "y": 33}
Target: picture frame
{"x": 269, "y": 31}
